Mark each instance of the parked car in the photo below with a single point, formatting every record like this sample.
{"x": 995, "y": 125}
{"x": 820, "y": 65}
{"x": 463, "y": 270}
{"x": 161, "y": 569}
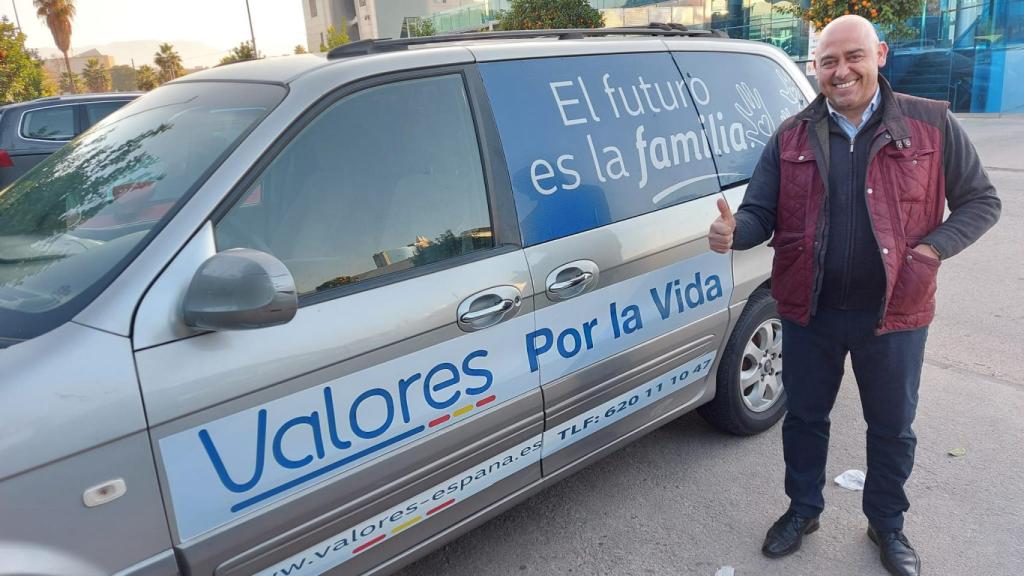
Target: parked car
{"x": 315, "y": 314}
{"x": 31, "y": 131}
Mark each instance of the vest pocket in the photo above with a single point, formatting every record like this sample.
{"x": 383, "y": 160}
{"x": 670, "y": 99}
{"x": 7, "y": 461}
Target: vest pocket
{"x": 910, "y": 171}
{"x": 797, "y": 171}
{"x": 791, "y": 272}
{"x": 914, "y": 291}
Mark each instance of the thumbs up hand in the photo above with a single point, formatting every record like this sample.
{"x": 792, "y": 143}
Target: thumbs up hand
{"x": 720, "y": 234}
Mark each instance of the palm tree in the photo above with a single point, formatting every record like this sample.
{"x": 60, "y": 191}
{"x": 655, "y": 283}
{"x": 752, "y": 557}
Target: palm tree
{"x": 146, "y": 78}
{"x": 169, "y": 62}
{"x": 58, "y": 15}
{"x": 96, "y": 76}
{"x": 69, "y": 82}
{"x": 240, "y": 53}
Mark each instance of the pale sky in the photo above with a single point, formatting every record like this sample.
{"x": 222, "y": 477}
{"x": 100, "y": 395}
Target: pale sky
{"x": 219, "y": 23}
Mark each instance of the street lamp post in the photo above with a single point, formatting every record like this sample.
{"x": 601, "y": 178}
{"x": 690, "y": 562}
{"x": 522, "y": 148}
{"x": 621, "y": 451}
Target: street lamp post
{"x": 16, "y": 19}
{"x": 252, "y": 34}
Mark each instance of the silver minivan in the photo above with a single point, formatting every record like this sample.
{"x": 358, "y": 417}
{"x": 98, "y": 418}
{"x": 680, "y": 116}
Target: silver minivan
{"x": 311, "y": 314}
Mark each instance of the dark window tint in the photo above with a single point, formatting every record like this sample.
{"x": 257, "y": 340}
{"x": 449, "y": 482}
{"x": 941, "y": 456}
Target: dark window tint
{"x": 384, "y": 180}
{"x": 312, "y": 8}
{"x": 593, "y": 140}
{"x": 742, "y": 99}
{"x": 56, "y": 123}
{"x": 97, "y": 111}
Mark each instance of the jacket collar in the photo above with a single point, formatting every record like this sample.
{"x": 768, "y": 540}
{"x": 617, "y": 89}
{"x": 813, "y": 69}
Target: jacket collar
{"x": 893, "y": 120}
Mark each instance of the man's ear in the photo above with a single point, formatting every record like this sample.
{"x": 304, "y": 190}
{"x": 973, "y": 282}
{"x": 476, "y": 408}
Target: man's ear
{"x": 883, "y": 51}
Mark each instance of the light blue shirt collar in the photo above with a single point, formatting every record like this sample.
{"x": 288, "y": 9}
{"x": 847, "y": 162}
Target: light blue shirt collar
{"x": 848, "y": 126}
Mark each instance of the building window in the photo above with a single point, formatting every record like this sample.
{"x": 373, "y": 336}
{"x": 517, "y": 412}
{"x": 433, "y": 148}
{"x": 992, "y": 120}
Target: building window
{"x": 312, "y": 8}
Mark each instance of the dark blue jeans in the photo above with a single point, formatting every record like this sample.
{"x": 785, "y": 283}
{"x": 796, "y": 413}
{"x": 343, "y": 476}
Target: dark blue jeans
{"x": 888, "y": 372}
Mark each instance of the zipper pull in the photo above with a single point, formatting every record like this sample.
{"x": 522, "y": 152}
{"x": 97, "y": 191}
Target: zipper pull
{"x": 851, "y": 144}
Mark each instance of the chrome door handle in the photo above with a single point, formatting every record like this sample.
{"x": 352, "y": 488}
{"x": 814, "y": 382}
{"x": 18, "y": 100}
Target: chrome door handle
{"x": 501, "y": 307}
{"x": 489, "y": 307}
{"x": 571, "y": 279}
{"x": 572, "y": 282}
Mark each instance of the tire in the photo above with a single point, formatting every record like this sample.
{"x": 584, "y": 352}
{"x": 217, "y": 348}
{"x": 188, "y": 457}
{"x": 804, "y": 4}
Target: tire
{"x": 757, "y": 404}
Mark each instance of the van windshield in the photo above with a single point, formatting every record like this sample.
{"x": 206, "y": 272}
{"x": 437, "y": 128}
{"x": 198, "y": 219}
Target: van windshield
{"x": 72, "y": 223}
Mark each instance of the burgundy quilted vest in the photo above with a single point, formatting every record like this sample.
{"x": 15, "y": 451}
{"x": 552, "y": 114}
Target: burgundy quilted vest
{"x": 905, "y": 195}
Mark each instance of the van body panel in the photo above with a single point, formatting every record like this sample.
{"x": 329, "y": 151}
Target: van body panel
{"x": 159, "y": 319}
{"x": 47, "y": 529}
{"x": 162, "y": 564}
{"x": 53, "y": 409}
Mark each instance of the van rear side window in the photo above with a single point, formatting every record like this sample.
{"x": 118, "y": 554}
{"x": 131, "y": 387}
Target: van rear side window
{"x": 593, "y": 140}
{"x": 743, "y": 98}
{"x": 53, "y": 123}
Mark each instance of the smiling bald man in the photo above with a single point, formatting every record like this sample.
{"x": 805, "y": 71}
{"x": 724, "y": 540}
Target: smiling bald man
{"x": 852, "y": 191}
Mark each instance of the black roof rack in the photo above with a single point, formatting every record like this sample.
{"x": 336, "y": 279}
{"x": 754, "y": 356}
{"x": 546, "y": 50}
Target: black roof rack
{"x": 374, "y": 46}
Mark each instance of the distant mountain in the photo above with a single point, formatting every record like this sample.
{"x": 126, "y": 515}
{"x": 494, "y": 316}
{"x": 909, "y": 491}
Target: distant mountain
{"x": 193, "y": 54}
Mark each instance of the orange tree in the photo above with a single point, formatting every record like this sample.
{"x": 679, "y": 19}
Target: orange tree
{"x": 889, "y": 15}
{"x": 546, "y": 14}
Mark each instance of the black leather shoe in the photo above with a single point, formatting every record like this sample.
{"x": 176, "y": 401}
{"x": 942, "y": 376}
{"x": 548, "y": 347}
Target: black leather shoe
{"x": 898, "y": 556}
{"x": 786, "y": 535}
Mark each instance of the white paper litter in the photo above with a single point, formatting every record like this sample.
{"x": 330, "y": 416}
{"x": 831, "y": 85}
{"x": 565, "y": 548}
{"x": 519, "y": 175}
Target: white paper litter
{"x": 851, "y": 480}
{"x": 725, "y": 571}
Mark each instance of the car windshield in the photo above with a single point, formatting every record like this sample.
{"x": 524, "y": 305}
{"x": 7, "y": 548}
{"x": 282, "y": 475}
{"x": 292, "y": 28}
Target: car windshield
{"x": 72, "y": 223}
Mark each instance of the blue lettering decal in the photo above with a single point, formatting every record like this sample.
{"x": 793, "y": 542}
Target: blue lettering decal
{"x": 353, "y": 421}
{"x": 692, "y": 287}
{"x": 313, "y": 421}
{"x": 270, "y": 493}
{"x": 482, "y": 372}
{"x": 714, "y": 287}
{"x": 631, "y": 320}
{"x": 577, "y": 343}
{"x": 332, "y": 424}
{"x": 403, "y": 395}
{"x": 588, "y": 333}
{"x": 429, "y": 387}
{"x": 662, "y": 303}
{"x": 532, "y": 351}
{"x": 218, "y": 464}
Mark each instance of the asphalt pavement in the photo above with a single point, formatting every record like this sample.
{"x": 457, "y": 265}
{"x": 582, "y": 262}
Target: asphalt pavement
{"x": 687, "y": 499}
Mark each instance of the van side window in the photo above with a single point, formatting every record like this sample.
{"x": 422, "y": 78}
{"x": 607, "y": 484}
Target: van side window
{"x": 386, "y": 179}
{"x": 593, "y": 140}
{"x": 55, "y": 123}
{"x": 742, "y": 99}
{"x": 96, "y": 111}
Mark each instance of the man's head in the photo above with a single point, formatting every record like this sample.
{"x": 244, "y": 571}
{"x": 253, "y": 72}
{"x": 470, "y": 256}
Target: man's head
{"x": 847, "y": 60}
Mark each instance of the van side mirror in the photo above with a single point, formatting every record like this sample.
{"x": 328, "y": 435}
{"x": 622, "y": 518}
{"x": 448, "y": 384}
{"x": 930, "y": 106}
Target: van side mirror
{"x": 240, "y": 289}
